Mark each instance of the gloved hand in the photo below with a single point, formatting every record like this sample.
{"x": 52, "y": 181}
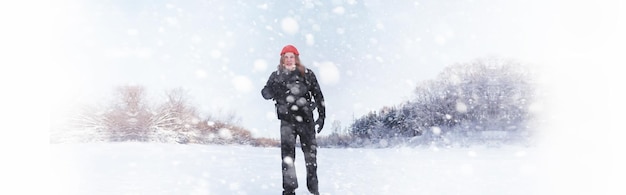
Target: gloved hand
{"x": 320, "y": 124}
{"x": 267, "y": 93}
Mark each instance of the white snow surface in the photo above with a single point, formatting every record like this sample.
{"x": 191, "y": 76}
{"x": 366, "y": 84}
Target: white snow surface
{"x": 155, "y": 168}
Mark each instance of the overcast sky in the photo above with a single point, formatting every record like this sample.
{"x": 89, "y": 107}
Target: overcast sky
{"x": 56, "y": 54}
{"x": 367, "y": 54}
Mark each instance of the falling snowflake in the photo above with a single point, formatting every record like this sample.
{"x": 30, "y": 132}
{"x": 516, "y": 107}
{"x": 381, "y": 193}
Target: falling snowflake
{"x": 289, "y": 25}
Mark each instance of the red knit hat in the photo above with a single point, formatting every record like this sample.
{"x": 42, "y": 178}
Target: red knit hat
{"x": 289, "y": 48}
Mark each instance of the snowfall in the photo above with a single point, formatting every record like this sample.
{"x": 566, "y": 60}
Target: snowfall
{"x": 157, "y": 168}
{"x": 583, "y": 41}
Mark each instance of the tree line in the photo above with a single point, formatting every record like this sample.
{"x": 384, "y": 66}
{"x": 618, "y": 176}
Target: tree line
{"x": 129, "y": 117}
{"x": 486, "y": 101}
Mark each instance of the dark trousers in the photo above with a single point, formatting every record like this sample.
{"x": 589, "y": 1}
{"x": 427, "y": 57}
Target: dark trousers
{"x": 288, "y": 133}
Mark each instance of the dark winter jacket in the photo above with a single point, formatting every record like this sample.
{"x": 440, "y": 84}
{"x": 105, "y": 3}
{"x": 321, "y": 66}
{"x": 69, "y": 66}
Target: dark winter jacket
{"x": 292, "y": 92}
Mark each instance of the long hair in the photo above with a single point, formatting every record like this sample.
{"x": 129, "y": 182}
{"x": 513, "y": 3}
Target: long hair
{"x": 299, "y": 66}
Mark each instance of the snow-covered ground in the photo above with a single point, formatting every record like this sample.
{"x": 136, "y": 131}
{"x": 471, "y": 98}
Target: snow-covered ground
{"x": 152, "y": 168}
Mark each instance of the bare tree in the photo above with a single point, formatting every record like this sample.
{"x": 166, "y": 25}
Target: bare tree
{"x": 174, "y": 120}
{"x": 129, "y": 117}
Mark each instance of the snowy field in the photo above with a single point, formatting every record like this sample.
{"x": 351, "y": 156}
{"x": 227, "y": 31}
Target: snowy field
{"x": 152, "y": 168}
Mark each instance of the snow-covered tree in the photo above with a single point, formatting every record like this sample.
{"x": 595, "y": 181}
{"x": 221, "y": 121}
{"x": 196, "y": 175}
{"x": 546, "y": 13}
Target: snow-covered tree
{"x": 128, "y": 118}
{"x": 467, "y": 102}
{"x": 175, "y": 119}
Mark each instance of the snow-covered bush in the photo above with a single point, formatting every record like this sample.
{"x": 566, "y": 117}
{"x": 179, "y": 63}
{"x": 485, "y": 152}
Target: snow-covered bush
{"x": 130, "y": 117}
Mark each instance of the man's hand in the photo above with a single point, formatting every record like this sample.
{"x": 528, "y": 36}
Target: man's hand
{"x": 320, "y": 124}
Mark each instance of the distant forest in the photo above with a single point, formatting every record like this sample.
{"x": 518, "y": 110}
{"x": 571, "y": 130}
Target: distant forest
{"x": 487, "y": 101}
